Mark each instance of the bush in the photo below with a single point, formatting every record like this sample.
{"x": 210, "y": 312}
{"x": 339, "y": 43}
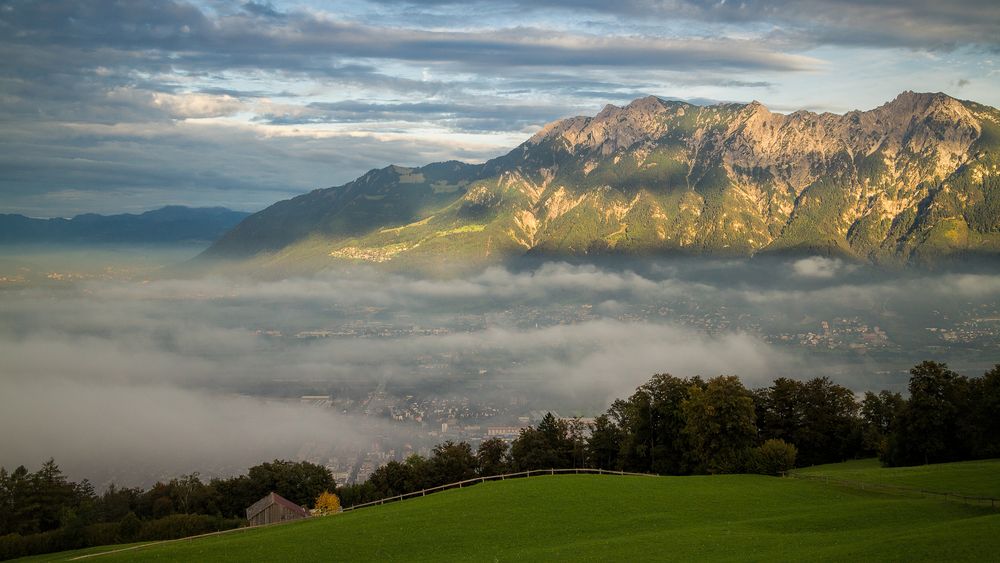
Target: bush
{"x": 774, "y": 457}
{"x": 129, "y": 527}
{"x": 183, "y": 525}
{"x": 12, "y": 546}
{"x": 104, "y": 533}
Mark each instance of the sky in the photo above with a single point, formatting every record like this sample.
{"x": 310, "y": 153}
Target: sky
{"x": 125, "y": 106}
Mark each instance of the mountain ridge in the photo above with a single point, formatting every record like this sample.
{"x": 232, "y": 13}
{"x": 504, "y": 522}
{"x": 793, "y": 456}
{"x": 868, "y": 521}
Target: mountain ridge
{"x": 909, "y": 181}
{"x": 168, "y": 224}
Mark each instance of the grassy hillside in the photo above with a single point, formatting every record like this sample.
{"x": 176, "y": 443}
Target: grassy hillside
{"x": 600, "y": 518}
{"x": 969, "y": 478}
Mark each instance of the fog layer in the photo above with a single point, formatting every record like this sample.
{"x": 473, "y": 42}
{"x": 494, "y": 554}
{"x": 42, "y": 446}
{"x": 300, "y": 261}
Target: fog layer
{"x": 117, "y": 379}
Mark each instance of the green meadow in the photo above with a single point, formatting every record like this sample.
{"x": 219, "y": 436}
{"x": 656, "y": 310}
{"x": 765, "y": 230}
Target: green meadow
{"x": 616, "y": 518}
{"x": 968, "y": 478}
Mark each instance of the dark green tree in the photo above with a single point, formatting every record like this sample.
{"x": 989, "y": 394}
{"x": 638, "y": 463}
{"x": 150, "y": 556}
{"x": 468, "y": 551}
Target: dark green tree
{"x": 451, "y": 462}
{"x": 982, "y": 421}
{"x": 604, "y": 443}
{"x": 878, "y": 418}
{"x": 300, "y": 482}
{"x": 492, "y": 458}
{"x": 818, "y": 416}
{"x": 720, "y": 424}
{"x": 927, "y": 429}
{"x": 652, "y": 421}
{"x": 392, "y": 479}
{"x": 544, "y": 447}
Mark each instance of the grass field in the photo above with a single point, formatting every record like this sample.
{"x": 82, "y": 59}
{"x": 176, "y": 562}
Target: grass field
{"x": 601, "y": 518}
{"x": 970, "y": 478}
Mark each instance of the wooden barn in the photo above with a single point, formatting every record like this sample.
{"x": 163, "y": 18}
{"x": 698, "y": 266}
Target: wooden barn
{"x": 274, "y": 508}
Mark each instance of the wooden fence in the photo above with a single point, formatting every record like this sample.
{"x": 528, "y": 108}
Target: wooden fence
{"x": 502, "y": 477}
{"x": 897, "y": 489}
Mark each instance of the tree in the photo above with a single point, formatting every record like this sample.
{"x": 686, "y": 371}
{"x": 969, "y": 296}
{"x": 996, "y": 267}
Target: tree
{"x": 300, "y": 482}
{"x": 779, "y": 409}
{"x": 491, "y": 457}
{"x": 421, "y": 473}
{"x": 982, "y": 425}
{"x": 235, "y": 494}
{"x": 878, "y": 418}
{"x": 50, "y": 494}
{"x": 818, "y": 416}
{"x": 576, "y": 433}
{"x": 831, "y": 431}
{"x": 451, "y": 462}
{"x": 927, "y": 429}
{"x": 604, "y": 443}
{"x": 652, "y": 423}
{"x": 326, "y": 503}
{"x": 720, "y": 424}
{"x": 392, "y": 479}
{"x": 129, "y": 527}
{"x": 531, "y": 450}
{"x": 774, "y": 457}
{"x": 546, "y": 446}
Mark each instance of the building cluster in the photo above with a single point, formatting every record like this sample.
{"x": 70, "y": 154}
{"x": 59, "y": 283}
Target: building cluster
{"x": 852, "y": 334}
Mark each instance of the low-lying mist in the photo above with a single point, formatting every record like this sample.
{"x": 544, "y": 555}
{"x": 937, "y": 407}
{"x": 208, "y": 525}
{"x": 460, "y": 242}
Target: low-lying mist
{"x": 137, "y": 380}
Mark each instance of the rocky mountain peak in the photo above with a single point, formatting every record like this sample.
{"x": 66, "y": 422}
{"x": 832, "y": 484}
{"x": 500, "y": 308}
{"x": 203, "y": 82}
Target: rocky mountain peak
{"x": 912, "y": 179}
{"x": 612, "y": 129}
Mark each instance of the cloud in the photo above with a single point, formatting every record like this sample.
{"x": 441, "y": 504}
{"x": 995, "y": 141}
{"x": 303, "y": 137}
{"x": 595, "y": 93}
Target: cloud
{"x": 923, "y": 24}
{"x": 131, "y": 434}
{"x": 196, "y": 40}
{"x": 819, "y": 267}
{"x": 134, "y": 166}
{"x": 167, "y": 372}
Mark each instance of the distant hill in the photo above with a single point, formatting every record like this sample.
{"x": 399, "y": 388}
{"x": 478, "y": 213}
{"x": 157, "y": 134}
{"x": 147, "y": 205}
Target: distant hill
{"x": 171, "y": 224}
{"x": 913, "y": 180}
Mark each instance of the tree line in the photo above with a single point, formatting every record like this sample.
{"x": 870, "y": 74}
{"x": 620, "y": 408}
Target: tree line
{"x": 668, "y": 426}
{"x": 677, "y": 426}
{"x": 43, "y": 511}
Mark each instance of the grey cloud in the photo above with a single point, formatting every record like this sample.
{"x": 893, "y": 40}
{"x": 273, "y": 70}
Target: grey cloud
{"x": 492, "y": 115}
{"x": 923, "y": 24}
{"x": 305, "y": 42}
{"x": 265, "y": 9}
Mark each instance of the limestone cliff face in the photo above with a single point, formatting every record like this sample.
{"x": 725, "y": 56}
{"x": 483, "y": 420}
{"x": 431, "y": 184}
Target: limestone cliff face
{"x": 913, "y": 179}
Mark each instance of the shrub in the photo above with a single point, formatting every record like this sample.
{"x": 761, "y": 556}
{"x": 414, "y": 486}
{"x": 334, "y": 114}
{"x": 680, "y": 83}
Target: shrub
{"x": 774, "y": 457}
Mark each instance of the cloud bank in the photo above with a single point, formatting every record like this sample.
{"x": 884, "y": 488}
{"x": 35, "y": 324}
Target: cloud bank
{"x": 169, "y": 376}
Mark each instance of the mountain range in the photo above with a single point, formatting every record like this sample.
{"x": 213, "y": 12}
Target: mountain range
{"x": 912, "y": 181}
{"x": 171, "y": 224}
